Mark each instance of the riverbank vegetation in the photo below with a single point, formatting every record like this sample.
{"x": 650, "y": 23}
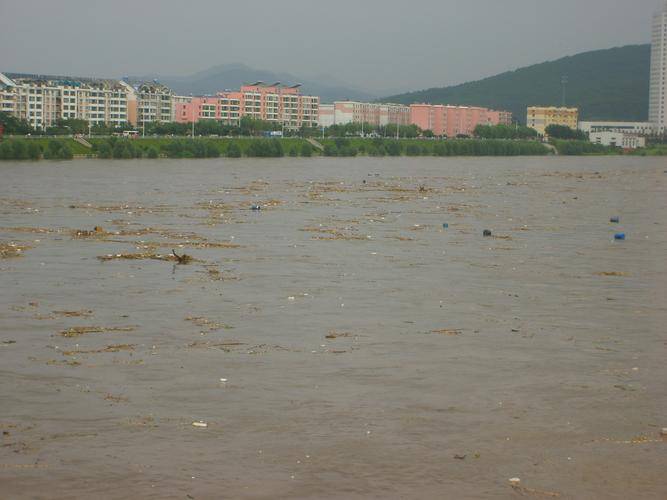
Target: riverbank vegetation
{"x": 259, "y": 139}
{"x": 123, "y": 148}
{"x": 51, "y": 149}
{"x": 583, "y": 148}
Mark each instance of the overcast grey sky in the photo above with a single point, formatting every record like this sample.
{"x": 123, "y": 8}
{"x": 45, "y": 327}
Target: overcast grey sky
{"x": 382, "y": 44}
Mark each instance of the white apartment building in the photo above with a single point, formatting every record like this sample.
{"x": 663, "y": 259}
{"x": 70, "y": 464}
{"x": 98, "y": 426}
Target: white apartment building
{"x": 636, "y": 128}
{"x": 43, "y": 100}
{"x": 618, "y": 139}
{"x": 657, "y": 97}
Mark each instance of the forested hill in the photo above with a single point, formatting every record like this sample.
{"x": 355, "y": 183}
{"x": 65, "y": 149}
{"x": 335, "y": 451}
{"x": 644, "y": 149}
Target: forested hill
{"x": 607, "y": 84}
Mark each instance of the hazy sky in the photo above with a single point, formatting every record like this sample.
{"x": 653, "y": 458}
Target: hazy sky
{"x": 382, "y": 44}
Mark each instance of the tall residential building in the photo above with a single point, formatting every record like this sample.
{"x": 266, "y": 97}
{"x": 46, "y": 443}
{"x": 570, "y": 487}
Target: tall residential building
{"x": 273, "y": 103}
{"x": 451, "y": 121}
{"x": 42, "y": 100}
{"x": 540, "y": 117}
{"x": 154, "y": 103}
{"x": 657, "y": 99}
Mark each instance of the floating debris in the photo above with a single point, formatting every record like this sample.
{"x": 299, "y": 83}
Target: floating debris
{"x": 207, "y": 323}
{"x": 223, "y": 346}
{"x": 141, "y": 256}
{"x": 77, "y": 331}
{"x": 109, "y": 348}
{"x": 10, "y": 250}
{"x": 182, "y": 259}
{"x": 97, "y": 232}
{"x": 452, "y": 332}
{"x": 67, "y": 362}
{"x": 116, "y": 399}
{"x": 74, "y": 314}
{"x": 335, "y": 335}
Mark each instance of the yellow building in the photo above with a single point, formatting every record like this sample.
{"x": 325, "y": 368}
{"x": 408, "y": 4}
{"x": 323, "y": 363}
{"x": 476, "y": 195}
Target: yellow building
{"x": 540, "y": 117}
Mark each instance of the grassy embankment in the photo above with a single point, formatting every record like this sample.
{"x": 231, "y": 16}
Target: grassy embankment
{"x": 181, "y": 147}
{"x": 652, "y": 150}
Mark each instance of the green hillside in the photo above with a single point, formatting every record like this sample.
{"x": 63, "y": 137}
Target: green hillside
{"x": 604, "y": 84}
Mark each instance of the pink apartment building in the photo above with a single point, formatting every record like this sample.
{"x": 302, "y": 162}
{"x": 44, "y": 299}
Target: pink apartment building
{"x": 455, "y": 120}
{"x": 273, "y": 103}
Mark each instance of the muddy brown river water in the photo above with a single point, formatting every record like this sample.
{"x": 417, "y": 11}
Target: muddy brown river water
{"x": 339, "y": 342}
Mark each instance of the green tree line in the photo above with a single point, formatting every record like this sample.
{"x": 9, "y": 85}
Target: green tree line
{"x": 21, "y": 149}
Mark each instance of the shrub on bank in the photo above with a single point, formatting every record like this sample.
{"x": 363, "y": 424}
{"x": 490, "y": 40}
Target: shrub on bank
{"x": 57, "y": 150}
{"x": 18, "y": 149}
{"x": 413, "y": 149}
{"x": 233, "y": 150}
{"x": 394, "y": 148}
{"x": 266, "y": 148}
{"x": 579, "y": 148}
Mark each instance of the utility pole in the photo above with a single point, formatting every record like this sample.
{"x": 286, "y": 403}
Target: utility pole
{"x": 563, "y": 82}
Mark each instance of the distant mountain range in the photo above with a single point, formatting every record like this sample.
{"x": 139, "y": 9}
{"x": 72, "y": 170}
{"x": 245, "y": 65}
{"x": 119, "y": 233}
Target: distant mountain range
{"x": 608, "y": 84}
{"x": 232, "y": 76}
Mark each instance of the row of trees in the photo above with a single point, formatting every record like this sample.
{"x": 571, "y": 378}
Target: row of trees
{"x": 505, "y": 132}
{"x": 249, "y": 127}
{"x": 578, "y": 148}
{"x": 120, "y": 148}
{"x": 19, "y": 149}
{"x": 115, "y": 147}
{"x": 565, "y": 133}
{"x": 13, "y": 126}
{"x": 367, "y": 129}
{"x": 455, "y": 147}
{"x": 123, "y": 148}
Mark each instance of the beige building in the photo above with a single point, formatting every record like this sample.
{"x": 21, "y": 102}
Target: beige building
{"x": 380, "y": 115}
{"x": 155, "y": 103}
{"x": 43, "y": 100}
{"x": 540, "y": 117}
